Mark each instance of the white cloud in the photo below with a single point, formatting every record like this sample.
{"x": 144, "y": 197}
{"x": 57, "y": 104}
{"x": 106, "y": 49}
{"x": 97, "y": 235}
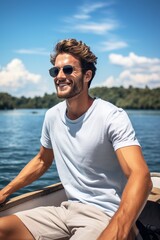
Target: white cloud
{"x": 15, "y": 75}
{"x": 112, "y": 45}
{"x": 109, "y": 82}
{"x": 35, "y": 51}
{"x": 87, "y": 9}
{"x": 83, "y": 21}
{"x": 139, "y": 78}
{"x": 96, "y": 28}
{"x": 138, "y": 71}
{"x": 81, "y": 16}
{"x": 133, "y": 60}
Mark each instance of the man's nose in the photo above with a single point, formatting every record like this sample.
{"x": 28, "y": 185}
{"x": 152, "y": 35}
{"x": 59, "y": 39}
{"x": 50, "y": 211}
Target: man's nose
{"x": 61, "y": 73}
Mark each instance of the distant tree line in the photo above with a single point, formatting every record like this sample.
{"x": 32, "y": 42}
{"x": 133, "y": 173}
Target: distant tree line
{"x": 130, "y": 98}
{"x": 127, "y": 98}
{"x": 9, "y": 102}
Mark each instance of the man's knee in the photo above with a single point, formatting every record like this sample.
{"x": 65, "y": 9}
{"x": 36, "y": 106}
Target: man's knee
{"x": 11, "y": 228}
{"x": 4, "y": 228}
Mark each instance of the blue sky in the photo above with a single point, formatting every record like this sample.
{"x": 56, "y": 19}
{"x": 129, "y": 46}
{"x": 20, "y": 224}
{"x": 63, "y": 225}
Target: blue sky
{"x": 123, "y": 34}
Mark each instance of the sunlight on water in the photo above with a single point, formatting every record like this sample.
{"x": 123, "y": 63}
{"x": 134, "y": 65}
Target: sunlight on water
{"x": 20, "y": 132}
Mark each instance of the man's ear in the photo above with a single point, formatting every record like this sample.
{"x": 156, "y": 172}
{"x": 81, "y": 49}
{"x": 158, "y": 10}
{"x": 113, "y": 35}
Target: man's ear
{"x": 88, "y": 76}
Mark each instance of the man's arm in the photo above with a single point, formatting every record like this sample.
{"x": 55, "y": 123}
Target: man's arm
{"x": 134, "y": 195}
{"x": 31, "y": 172}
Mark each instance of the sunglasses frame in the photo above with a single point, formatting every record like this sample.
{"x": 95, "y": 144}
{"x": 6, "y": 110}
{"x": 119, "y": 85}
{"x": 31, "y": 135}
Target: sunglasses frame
{"x": 67, "y": 69}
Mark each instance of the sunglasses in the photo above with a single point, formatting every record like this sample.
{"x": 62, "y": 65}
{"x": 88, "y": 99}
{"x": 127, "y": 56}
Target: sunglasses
{"x": 67, "y": 69}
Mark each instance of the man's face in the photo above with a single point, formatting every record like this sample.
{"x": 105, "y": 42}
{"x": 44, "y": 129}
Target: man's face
{"x": 68, "y": 85}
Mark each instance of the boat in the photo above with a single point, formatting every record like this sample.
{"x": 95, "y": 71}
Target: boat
{"x": 55, "y": 194}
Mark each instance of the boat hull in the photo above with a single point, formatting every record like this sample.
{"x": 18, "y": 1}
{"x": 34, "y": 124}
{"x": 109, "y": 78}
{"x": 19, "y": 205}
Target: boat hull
{"x": 53, "y": 196}
{"x": 50, "y": 196}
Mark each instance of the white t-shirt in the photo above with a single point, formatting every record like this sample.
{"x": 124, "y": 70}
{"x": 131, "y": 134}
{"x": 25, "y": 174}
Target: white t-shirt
{"x": 84, "y": 151}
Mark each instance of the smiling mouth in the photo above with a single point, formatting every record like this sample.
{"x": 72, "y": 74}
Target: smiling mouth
{"x": 62, "y": 84}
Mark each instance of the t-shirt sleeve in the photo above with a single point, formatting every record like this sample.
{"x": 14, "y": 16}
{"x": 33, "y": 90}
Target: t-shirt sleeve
{"x": 120, "y": 130}
{"x": 45, "y": 136}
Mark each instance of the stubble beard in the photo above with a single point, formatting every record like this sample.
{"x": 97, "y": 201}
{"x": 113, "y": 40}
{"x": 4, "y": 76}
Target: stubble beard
{"x": 75, "y": 89}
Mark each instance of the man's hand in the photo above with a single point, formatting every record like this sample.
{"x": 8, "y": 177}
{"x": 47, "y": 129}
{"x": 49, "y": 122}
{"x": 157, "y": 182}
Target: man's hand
{"x": 2, "y": 197}
{"x": 31, "y": 172}
{"x": 114, "y": 234}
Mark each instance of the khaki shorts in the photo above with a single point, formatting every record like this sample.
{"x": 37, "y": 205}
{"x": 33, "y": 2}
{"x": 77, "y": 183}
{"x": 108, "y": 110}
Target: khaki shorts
{"x": 72, "y": 220}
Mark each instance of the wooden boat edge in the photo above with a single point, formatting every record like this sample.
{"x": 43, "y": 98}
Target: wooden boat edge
{"x": 155, "y": 174}
{"x": 30, "y": 196}
{"x": 154, "y": 195}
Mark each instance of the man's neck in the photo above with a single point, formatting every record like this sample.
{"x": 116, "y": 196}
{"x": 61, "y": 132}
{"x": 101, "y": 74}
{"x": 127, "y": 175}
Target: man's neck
{"x": 77, "y": 107}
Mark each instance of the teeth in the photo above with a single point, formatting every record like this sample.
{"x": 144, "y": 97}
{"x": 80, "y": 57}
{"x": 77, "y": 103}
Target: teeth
{"x": 62, "y": 84}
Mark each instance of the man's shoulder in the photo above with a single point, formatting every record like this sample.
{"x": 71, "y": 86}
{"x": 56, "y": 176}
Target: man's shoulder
{"x": 109, "y": 111}
{"x": 56, "y": 108}
{"x": 106, "y": 106}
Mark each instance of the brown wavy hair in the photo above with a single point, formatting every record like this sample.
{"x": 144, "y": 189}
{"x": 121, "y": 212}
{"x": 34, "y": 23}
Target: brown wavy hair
{"x": 79, "y": 50}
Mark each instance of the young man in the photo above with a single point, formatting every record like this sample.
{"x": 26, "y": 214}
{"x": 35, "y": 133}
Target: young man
{"x": 98, "y": 157}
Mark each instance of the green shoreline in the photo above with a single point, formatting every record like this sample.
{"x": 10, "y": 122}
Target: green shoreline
{"x": 127, "y": 98}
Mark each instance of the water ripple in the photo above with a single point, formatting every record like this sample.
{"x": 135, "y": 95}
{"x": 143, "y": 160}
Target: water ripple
{"x": 20, "y": 132}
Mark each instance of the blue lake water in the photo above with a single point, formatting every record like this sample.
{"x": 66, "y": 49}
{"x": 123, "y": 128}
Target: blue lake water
{"x": 20, "y": 132}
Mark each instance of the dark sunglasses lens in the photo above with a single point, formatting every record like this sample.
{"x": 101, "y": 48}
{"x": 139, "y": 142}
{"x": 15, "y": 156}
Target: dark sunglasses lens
{"x": 68, "y": 69}
{"x": 54, "y": 71}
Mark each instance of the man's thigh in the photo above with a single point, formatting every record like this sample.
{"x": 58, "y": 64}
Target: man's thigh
{"x": 45, "y": 223}
{"x": 66, "y": 222}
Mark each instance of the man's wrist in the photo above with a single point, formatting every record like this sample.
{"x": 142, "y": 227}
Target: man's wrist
{"x": 5, "y": 192}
